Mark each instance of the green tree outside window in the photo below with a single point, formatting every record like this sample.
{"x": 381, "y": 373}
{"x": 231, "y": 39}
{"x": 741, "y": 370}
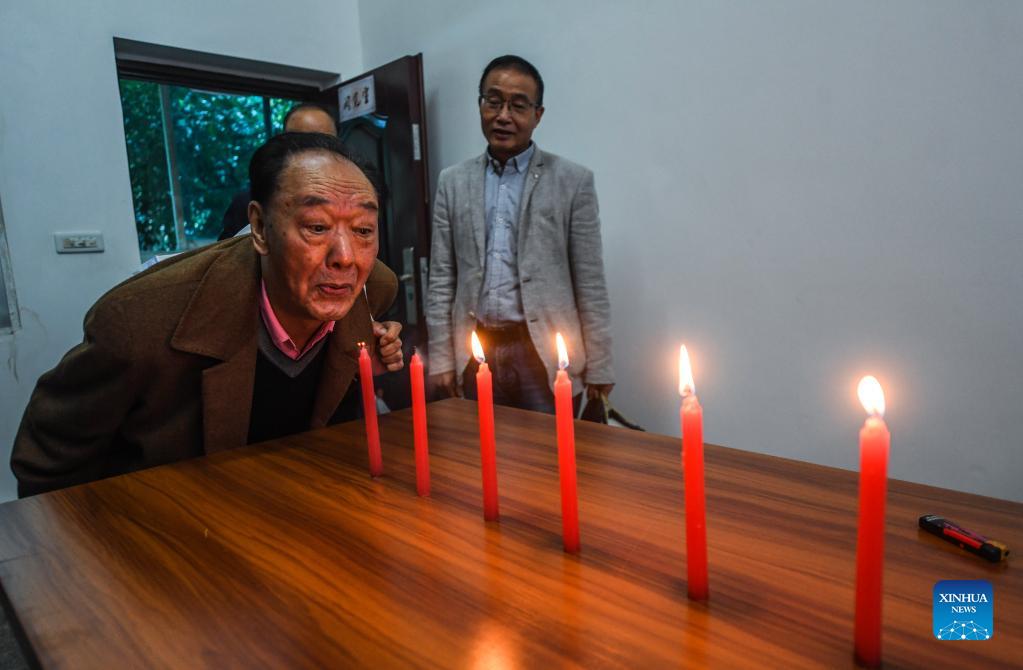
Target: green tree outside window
{"x": 191, "y": 167}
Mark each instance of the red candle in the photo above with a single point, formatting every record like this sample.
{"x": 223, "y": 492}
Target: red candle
{"x": 419, "y": 425}
{"x": 369, "y": 408}
{"x": 874, "y": 443}
{"x": 691, "y": 416}
{"x": 488, "y": 445}
{"x": 566, "y": 451}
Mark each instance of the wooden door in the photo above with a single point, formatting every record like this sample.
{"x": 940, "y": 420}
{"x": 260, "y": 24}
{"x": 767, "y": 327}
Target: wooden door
{"x": 392, "y": 138}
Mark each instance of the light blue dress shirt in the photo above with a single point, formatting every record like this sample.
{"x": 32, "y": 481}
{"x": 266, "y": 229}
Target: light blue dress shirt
{"x": 501, "y": 298}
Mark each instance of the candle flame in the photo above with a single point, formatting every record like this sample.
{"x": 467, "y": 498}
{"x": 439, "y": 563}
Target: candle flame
{"x": 686, "y": 385}
{"x": 871, "y": 395}
{"x": 562, "y": 352}
{"x": 477, "y": 349}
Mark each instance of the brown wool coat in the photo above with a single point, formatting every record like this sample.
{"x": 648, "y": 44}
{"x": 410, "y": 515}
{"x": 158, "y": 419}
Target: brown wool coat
{"x": 166, "y": 370}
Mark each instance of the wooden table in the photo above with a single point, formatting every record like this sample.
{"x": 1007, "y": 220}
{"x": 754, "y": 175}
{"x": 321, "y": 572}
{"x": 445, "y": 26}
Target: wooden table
{"x": 287, "y": 554}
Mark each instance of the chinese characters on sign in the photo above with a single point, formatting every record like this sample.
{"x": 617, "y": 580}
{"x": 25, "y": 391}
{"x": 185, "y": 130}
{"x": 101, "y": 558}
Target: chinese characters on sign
{"x": 357, "y": 99}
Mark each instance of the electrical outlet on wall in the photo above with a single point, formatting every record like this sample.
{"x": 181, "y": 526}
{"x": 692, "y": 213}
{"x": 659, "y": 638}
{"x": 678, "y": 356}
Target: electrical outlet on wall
{"x": 79, "y": 242}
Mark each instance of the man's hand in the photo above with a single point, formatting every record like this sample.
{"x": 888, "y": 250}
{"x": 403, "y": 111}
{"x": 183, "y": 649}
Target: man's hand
{"x": 445, "y": 382}
{"x": 594, "y": 391}
{"x": 389, "y": 357}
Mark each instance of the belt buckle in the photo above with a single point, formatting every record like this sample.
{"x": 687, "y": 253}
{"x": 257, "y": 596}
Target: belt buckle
{"x": 510, "y": 328}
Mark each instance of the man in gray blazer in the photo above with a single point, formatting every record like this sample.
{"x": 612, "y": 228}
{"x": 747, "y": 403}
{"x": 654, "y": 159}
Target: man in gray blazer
{"x": 517, "y": 256}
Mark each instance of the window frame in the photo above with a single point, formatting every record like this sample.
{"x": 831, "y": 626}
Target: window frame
{"x": 217, "y": 82}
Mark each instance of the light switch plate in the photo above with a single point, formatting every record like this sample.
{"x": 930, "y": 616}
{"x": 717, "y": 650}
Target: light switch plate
{"x": 78, "y": 242}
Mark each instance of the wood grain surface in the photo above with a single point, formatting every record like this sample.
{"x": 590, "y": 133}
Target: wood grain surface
{"x": 288, "y": 554}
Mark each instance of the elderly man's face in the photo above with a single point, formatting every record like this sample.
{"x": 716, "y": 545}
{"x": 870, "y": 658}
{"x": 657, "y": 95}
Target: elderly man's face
{"x": 318, "y": 240}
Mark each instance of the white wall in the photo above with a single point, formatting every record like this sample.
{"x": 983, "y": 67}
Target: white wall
{"x": 63, "y": 164}
{"x": 803, "y": 191}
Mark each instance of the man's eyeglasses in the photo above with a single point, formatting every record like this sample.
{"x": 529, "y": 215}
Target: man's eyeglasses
{"x": 493, "y": 104}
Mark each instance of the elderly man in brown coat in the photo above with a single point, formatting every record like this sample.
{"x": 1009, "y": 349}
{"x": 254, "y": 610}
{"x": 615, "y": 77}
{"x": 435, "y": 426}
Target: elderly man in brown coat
{"x": 249, "y": 339}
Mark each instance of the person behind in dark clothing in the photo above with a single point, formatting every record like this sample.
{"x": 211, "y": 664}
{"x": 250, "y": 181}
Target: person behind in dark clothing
{"x": 305, "y": 117}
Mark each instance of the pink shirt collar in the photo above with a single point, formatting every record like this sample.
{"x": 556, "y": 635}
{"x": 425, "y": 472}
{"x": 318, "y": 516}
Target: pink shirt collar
{"x": 280, "y": 337}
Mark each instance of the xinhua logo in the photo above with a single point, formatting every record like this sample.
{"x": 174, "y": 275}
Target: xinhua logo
{"x": 964, "y": 609}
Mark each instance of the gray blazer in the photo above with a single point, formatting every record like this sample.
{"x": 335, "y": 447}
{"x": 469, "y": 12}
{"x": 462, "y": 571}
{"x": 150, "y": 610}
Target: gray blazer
{"x": 561, "y": 267}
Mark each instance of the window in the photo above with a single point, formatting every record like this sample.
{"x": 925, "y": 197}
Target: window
{"x": 188, "y": 154}
{"x": 191, "y": 123}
